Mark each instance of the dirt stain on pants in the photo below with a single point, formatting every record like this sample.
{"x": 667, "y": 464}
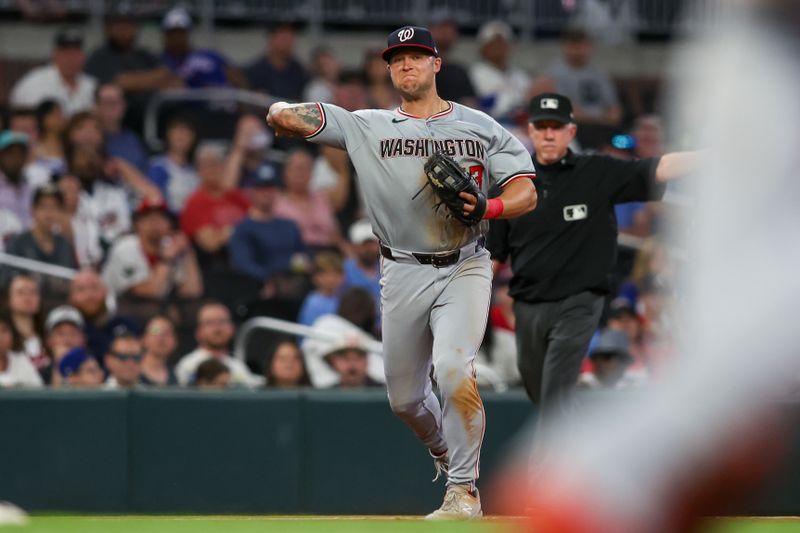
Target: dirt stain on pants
{"x": 468, "y": 403}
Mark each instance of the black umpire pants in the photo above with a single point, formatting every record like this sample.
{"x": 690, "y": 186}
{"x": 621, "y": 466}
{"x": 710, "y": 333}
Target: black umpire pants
{"x": 552, "y": 340}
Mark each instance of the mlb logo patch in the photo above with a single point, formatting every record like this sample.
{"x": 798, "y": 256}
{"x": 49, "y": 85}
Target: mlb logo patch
{"x": 549, "y": 103}
{"x": 575, "y": 212}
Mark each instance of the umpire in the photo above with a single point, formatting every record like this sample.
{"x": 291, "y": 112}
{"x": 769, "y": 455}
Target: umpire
{"x": 563, "y": 252}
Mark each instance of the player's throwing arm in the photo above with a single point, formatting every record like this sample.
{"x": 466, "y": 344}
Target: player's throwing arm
{"x": 294, "y": 120}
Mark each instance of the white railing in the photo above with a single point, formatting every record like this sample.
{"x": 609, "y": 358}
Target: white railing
{"x": 210, "y": 97}
{"x": 291, "y": 328}
{"x": 37, "y": 266}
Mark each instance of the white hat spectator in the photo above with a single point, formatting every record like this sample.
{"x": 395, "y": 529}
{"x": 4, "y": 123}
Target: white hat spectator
{"x": 176, "y": 18}
{"x": 361, "y": 232}
{"x": 61, "y": 314}
{"x": 492, "y": 29}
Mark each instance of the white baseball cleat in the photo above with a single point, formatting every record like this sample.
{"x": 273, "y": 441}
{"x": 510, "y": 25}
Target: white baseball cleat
{"x": 459, "y": 504}
{"x": 11, "y": 515}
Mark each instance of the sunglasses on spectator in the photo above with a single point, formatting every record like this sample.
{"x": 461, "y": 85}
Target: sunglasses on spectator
{"x": 128, "y": 356}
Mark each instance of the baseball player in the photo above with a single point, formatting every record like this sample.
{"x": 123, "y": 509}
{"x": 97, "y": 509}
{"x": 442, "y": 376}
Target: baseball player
{"x": 436, "y": 274}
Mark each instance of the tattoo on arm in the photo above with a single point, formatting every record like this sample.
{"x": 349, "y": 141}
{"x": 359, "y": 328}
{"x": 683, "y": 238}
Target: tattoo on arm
{"x": 300, "y": 119}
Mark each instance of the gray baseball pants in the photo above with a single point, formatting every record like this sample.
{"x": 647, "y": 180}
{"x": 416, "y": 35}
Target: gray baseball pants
{"x": 434, "y": 318}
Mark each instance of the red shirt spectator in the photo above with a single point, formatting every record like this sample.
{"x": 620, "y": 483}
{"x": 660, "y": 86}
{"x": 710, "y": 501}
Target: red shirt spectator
{"x": 208, "y": 209}
{"x": 217, "y": 206}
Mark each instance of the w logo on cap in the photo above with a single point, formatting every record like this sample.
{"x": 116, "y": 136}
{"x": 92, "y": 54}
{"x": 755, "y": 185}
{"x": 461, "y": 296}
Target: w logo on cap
{"x": 405, "y": 34}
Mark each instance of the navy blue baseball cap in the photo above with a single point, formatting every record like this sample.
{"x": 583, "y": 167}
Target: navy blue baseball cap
{"x": 266, "y": 175}
{"x": 410, "y": 37}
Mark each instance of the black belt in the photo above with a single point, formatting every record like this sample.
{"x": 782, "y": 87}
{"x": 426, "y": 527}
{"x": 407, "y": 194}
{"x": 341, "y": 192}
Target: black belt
{"x": 436, "y": 260}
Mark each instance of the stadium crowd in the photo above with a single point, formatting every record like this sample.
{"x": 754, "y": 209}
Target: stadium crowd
{"x": 175, "y": 248}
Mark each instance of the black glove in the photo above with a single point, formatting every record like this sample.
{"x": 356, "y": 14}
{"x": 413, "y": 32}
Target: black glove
{"x": 447, "y": 179}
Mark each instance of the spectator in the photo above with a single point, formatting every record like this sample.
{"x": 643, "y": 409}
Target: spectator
{"x": 334, "y": 173}
{"x": 110, "y": 106}
{"x": 311, "y": 211}
{"x": 121, "y": 62}
{"x": 159, "y": 342}
{"x": 89, "y": 295}
{"x": 380, "y": 91}
{"x": 328, "y": 277}
{"x": 250, "y": 146}
{"x": 23, "y": 120}
{"x": 79, "y": 225}
{"x": 16, "y": 193}
{"x": 44, "y": 242}
{"x": 212, "y": 374}
{"x": 196, "y": 68}
{"x": 79, "y": 369}
{"x": 277, "y": 72}
{"x": 594, "y": 98}
{"x": 16, "y": 368}
{"x": 325, "y": 70}
{"x": 501, "y": 87}
{"x": 622, "y": 317}
{"x": 153, "y": 262}
{"x": 349, "y": 361}
{"x": 355, "y": 321}
{"x": 264, "y": 246}
{"x": 107, "y": 201}
{"x": 214, "y": 333}
{"x": 83, "y": 130}
{"x": 84, "y": 133}
{"x": 497, "y": 356}
{"x": 609, "y": 362}
{"x": 285, "y": 368}
{"x": 214, "y": 209}
{"x": 49, "y": 152}
{"x": 63, "y": 332}
{"x": 452, "y": 80}
{"x": 501, "y": 312}
{"x": 61, "y": 80}
{"x": 173, "y": 172}
{"x": 363, "y": 269}
{"x": 25, "y": 310}
{"x": 124, "y": 361}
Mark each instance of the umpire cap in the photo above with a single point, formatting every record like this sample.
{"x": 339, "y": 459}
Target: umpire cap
{"x": 551, "y": 106}
{"x": 410, "y": 37}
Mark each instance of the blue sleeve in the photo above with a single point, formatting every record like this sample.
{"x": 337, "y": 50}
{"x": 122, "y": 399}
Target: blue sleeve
{"x": 307, "y": 311}
{"x": 242, "y": 256}
{"x": 158, "y": 175}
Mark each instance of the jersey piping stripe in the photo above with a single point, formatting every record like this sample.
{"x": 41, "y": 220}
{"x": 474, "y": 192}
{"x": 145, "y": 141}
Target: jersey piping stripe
{"x": 437, "y": 115}
{"x": 514, "y": 177}
{"x": 322, "y": 124}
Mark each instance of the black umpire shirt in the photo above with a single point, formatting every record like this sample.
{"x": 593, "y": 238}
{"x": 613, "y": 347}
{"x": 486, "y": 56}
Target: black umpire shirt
{"x": 568, "y": 244}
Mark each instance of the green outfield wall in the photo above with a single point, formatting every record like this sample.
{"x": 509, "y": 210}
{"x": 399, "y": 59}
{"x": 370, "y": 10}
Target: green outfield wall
{"x": 176, "y": 451}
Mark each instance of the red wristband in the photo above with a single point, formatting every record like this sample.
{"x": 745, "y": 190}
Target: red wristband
{"x": 494, "y": 208}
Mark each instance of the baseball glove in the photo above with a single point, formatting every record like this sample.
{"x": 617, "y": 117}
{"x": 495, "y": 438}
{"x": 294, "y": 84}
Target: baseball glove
{"x": 447, "y": 179}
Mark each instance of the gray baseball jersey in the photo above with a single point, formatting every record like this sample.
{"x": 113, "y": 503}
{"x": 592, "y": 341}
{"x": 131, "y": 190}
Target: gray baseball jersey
{"x": 433, "y": 318}
{"x": 388, "y": 150}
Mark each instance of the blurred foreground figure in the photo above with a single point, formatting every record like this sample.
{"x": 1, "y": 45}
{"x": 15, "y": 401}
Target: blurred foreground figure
{"x": 660, "y": 461}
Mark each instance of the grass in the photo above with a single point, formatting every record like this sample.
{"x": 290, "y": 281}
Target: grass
{"x": 265, "y": 524}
